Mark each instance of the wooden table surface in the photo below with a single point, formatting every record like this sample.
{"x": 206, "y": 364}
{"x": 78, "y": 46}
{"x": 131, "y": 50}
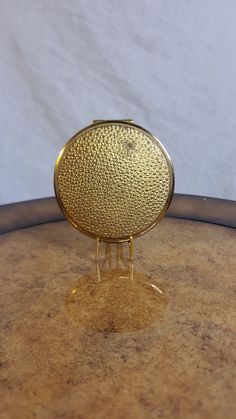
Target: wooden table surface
{"x": 158, "y": 345}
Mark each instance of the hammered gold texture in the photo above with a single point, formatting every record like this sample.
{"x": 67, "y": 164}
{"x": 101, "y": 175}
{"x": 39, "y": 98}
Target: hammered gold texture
{"x": 113, "y": 181}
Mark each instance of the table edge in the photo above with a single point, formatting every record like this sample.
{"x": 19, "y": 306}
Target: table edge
{"x": 46, "y": 210}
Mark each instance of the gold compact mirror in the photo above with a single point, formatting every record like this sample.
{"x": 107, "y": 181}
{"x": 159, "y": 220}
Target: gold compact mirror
{"x": 114, "y": 180}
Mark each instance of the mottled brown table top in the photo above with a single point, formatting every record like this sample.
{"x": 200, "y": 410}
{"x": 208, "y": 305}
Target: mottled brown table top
{"x": 160, "y": 345}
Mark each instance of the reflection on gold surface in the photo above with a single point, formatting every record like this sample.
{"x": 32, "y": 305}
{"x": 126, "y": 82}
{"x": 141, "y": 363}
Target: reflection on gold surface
{"x": 115, "y": 297}
{"x": 119, "y": 300}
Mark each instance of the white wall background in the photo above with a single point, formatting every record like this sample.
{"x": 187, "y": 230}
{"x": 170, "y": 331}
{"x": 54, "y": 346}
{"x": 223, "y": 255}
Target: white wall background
{"x": 169, "y": 65}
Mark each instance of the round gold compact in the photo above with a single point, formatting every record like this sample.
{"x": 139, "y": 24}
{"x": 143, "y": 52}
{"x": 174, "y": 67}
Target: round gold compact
{"x": 114, "y": 180}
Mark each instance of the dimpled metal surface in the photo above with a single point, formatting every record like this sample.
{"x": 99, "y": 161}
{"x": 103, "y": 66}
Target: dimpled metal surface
{"x": 113, "y": 180}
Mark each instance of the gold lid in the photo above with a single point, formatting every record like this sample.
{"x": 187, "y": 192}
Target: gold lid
{"x": 113, "y": 180}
